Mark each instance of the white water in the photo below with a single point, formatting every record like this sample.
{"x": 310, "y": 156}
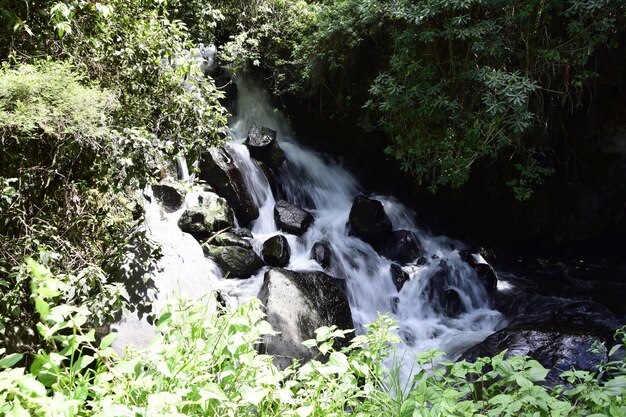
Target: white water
{"x": 183, "y": 270}
{"x": 322, "y": 186}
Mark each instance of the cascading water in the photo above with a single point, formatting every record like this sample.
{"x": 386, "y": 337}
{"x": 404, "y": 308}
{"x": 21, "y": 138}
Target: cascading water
{"x": 322, "y": 186}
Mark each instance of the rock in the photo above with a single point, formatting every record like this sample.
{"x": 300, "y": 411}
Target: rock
{"x": 242, "y": 232}
{"x": 488, "y": 277}
{"x": 452, "y": 303}
{"x": 296, "y": 304}
{"x": 398, "y": 276}
{"x": 292, "y": 219}
{"x": 235, "y": 261}
{"x": 170, "y": 197}
{"x": 218, "y": 170}
{"x": 556, "y": 346}
{"x": 402, "y": 247}
{"x": 269, "y": 175}
{"x": 485, "y": 273}
{"x": 261, "y": 143}
{"x": 440, "y": 295}
{"x": 211, "y": 216}
{"x": 276, "y": 251}
{"x": 321, "y": 253}
{"x": 230, "y": 239}
{"x": 467, "y": 257}
{"x": 369, "y": 221}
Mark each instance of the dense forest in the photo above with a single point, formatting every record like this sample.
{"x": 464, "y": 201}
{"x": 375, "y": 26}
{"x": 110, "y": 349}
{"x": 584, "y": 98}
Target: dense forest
{"x": 501, "y": 121}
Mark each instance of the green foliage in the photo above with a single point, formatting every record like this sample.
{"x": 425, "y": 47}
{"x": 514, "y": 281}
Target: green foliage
{"x": 116, "y": 100}
{"x": 265, "y": 32}
{"x": 449, "y": 82}
{"x": 57, "y": 152}
{"x": 204, "y": 362}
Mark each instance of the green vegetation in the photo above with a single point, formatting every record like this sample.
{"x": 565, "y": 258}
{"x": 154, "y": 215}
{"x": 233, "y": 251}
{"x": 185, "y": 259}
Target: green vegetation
{"x": 449, "y": 82}
{"x": 204, "y": 363}
{"x": 96, "y": 101}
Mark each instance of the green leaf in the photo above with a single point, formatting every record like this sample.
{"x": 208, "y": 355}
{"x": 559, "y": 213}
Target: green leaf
{"x": 407, "y": 408}
{"x": 304, "y": 411}
{"x": 108, "y": 340}
{"x": 18, "y": 411}
{"x": 537, "y": 374}
{"x": 339, "y": 362}
{"x": 163, "y": 321}
{"x": 213, "y": 391}
{"x": 10, "y": 360}
{"x": 309, "y": 343}
{"x": 82, "y": 363}
{"x": 615, "y": 387}
{"x": 42, "y": 307}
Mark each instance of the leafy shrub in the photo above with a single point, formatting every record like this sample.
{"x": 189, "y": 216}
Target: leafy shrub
{"x": 204, "y": 362}
{"x": 59, "y": 198}
{"x": 75, "y": 150}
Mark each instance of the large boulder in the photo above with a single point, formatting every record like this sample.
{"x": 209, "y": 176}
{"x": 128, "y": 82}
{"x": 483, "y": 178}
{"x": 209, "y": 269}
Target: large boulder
{"x": 296, "y": 304}
{"x": 558, "y": 347}
{"x": 321, "y": 253}
{"x": 402, "y": 247}
{"x": 261, "y": 143}
{"x": 170, "y": 196}
{"x": 208, "y": 218}
{"x": 235, "y": 261}
{"x": 369, "y": 221}
{"x": 276, "y": 251}
{"x": 292, "y": 219}
{"x": 218, "y": 170}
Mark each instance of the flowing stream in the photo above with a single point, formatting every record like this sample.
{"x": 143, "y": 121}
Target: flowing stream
{"x": 322, "y": 186}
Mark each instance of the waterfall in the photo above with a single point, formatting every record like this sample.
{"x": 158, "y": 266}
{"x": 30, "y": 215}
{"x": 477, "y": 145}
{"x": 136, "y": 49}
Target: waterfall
{"x": 321, "y": 185}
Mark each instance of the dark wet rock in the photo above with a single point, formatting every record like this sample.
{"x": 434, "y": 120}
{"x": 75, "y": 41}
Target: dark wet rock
{"x": 467, "y": 257}
{"x": 321, "y": 253}
{"x": 242, "y": 232}
{"x": 485, "y": 273}
{"x": 292, "y": 219}
{"x": 230, "y": 239}
{"x": 170, "y": 196}
{"x": 393, "y": 304}
{"x": 296, "y": 304}
{"x": 211, "y": 216}
{"x": 452, "y": 303}
{"x": 556, "y": 346}
{"x": 218, "y": 169}
{"x": 421, "y": 261}
{"x": 519, "y": 307}
{"x": 441, "y": 295}
{"x": 262, "y": 145}
{"x": 407, "y": 336}
{"x": 402, "y": 247}
{"x": 398, "y": 276}
{"x": 276, "y": 251}
{"x": 488, "y": 277}
{"x": 235, "y": 261}
{"x": 369, "y": 221}
{"x": 269, "y": 175}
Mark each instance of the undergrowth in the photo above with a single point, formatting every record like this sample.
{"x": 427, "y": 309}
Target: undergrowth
{"x": 204, "y": 362}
